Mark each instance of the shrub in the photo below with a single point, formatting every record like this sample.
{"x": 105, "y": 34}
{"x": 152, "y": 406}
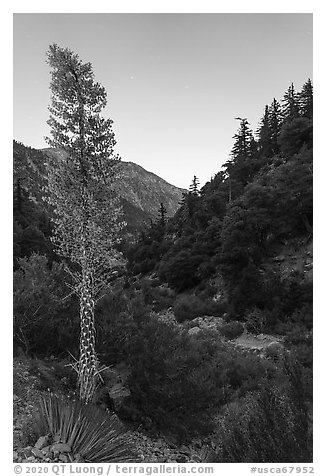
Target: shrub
{"x": 300, "y": 342}
{"x": 158, "y": 297}
{"x": 54, "y": 375}
{"x": 179, "y": 382}
{"x": 297, "y": 299}
{"x": 46, "y": 319}
{"x": 181, "y": 270}
{"x": 176, "y": 382}
{"x": 269, "y": 426}
{"x": 232, "y": 330}
{"x": 187, "y": 308}
{"x": 191, "y": 306}
{"x": 274, "y": 350}
{"x": 118, "y": 317}
{"x": 255, "y": 321}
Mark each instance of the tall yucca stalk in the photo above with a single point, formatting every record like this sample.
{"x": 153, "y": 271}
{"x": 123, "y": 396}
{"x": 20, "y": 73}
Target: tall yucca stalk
{"x": 81, "y": 178}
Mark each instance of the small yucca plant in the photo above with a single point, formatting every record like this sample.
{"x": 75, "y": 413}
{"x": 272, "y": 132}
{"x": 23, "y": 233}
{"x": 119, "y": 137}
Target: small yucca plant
{"x": 97, "y": 436}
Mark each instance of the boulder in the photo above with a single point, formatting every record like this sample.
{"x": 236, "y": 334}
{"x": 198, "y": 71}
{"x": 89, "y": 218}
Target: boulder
{"x": 194, "y": 331}
{"x": 61, "y": 448}
{"x": 262, "y": 337}
{"x": 46, "y": 449}
{"x": 279, "y": 258}
{"x": 38, "y": 453}
{"x": 181, "y": 458}
{"x": 274, "y": 350}
{"x": 42, "y": 442}
{"x": 78, "y": 458}
{"x": 183, "y": 449}
{"x": 217, "y": 321}
{"x": 25, "y": 452}
{"x": 198, "y": 321}
{"x": 217, "y": 297}
{"x": 64, "y": 458}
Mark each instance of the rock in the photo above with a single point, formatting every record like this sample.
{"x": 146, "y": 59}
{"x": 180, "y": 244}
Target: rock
{"x": 64, "y": 458}
{"x": 194, "y": 331}
{"x": 42, "y": 442}
{"x": 181, "y": 458}
{"x": 217, "y": 297}
{"x": 195, "y": 459}
{"x": 218, "y": 321}
{"x": 61, "y": 448}
{"x": 46, "y": 449}
{"x": 198, "y": 443}
{"x": 78, "y": 458}
{"x": 274, "y": 350}
{"x": 171, "y": 440}
{"x": 183, "y": 449}
{"x": 38, "y": 453}
{"x": 26, "y": 452}
{"x": 15, "y": 455}
{"x": 56, "y": 438}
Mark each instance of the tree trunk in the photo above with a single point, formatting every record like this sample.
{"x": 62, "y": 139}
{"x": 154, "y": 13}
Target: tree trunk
{"x": 87, "y": 368}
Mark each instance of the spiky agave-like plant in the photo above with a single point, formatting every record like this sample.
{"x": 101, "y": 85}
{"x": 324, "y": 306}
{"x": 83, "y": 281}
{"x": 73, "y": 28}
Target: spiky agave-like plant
{"x": 97, "y": 436}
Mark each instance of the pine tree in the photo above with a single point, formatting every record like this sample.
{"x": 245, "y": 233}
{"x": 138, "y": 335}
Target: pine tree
{"x": 306, "y": 100}
{"x": 162, "y": 215}
{"x": 290, "y": 108}
{"x": 243, "y": 163}
{"x": 81, "y": 189}
{"x": 275, "y": 125}
{"x": 243, "y": 138}
{"x": 194, "y": 186}
{"x": 265, "y": 135}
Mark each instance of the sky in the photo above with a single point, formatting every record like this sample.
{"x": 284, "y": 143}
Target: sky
{"x": 175, "y": 82}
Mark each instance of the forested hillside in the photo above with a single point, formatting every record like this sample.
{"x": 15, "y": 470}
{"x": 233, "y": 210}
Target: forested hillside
{"x": 237, "y": 227}
{"x": 204, "y": 337}
{"x": 141, "y": 193}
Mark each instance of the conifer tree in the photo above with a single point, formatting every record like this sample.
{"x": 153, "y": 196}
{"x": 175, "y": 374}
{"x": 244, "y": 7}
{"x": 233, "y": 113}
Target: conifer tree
{"x": 194, "y": 186}
{"x": 306, "y": 100}
{"x": 162, "y": 215}
{"x": 243, "y": 164}
{"x": 243, "y": 138}
{"x": 290, "y": 108}
{"x": 81, "y": 190}
{"x": 275, "y": 119}
{"x": 265, "y": 135}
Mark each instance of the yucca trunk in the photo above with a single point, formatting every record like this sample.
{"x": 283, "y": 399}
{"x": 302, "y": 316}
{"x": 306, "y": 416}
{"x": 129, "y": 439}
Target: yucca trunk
{"x": 87, "y": 368}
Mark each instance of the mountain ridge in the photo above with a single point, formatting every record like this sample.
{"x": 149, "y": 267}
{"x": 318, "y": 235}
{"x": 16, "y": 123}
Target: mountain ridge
{"x": 141, "y": 191}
